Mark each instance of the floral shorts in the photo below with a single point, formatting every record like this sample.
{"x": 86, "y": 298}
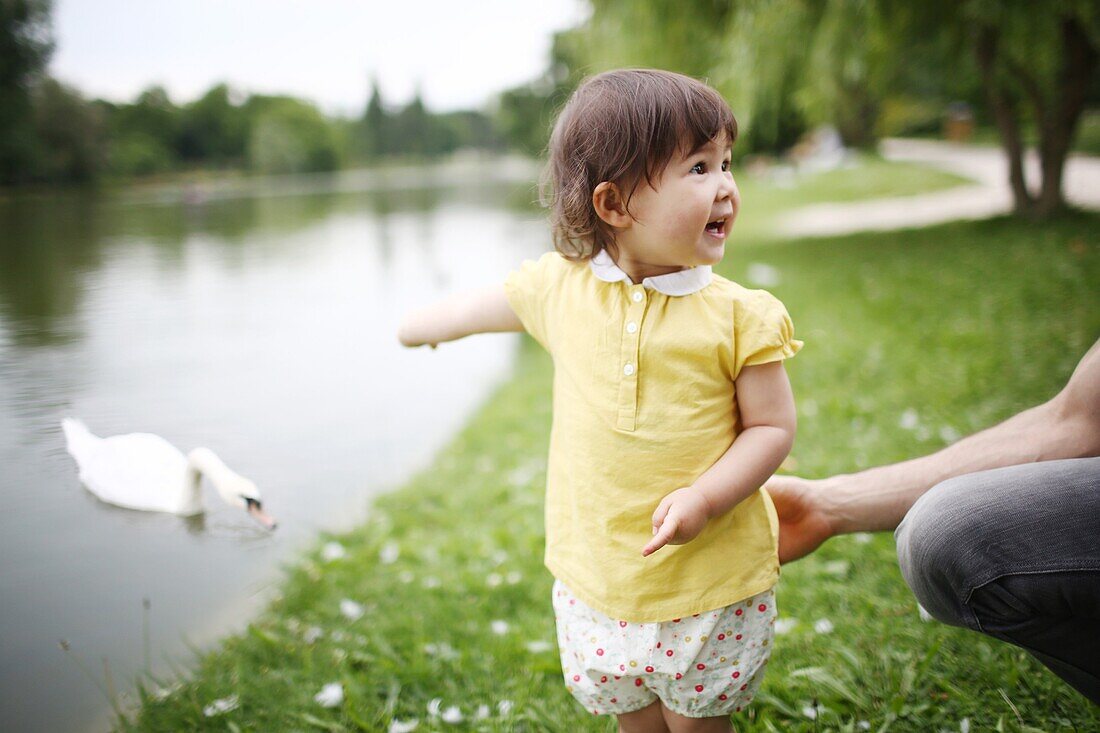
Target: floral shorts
{"x": 708, "y": 665}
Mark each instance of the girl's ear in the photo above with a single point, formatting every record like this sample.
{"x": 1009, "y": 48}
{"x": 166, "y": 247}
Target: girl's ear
{"x": 610, "y": 206}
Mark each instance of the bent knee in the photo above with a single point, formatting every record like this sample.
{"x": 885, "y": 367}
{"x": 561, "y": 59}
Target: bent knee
{"x": 939, "y": 550}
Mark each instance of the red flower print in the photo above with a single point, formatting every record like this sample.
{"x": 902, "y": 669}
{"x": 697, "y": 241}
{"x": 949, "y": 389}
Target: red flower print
{"x": 649, "y": 669}
{"x": 638, "y": 682}
{"x": 603, "y": 679}
{"x": 722, "y": 696}
{"x": 735, "y": 675}
{"x": 572, "y": 601}
{"x": 622, "y": 667}
{"x": 658, "y": 645}
{"x": 761, "y": 608}
{"x": 700, "y": 666}
{"x": 622, "y": 624}
{"x": 614, "y": 699}
{"x": 695, "y": 616}
{"x": 678, "y": 675}
{"x": 698, "y": 688}
{"x": 738, "y": 612}
{"x": 576, "y": 678}
{"x": 737, "y": 638}
{"x": 721, "y": 637}
{"x": 668, "y": 653}
{"x": 675, "y": 620}
{"x": 744, "y": 685}
{"x": 599, "y": 652}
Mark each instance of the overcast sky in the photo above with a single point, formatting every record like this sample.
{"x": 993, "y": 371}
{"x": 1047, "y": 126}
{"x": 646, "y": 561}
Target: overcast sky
{"x": 459, "y": 52}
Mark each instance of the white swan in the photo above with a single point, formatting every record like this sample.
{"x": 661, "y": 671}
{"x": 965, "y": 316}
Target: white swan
{"x": 145, "y": 471}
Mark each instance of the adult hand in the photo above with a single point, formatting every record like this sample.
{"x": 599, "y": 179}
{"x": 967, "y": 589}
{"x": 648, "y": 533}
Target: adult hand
{"x": 679, "y": 518}
{"x": 803, "y": 525}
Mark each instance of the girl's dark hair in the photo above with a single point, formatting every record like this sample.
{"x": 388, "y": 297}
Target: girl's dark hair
{"x": 622, "y": 126}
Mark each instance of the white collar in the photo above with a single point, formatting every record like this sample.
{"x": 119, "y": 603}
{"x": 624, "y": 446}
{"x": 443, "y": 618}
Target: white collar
{"x": 684, "y": 282}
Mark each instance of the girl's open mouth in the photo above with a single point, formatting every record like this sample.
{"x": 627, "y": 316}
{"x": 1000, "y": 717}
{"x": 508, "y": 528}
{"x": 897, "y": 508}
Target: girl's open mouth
{"x": 717, "y": 227}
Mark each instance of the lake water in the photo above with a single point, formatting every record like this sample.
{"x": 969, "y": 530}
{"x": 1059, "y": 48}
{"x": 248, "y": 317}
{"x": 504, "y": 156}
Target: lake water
{"x": 256, "y": 318}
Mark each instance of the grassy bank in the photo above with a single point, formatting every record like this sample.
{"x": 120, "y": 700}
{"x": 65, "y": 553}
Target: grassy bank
{"x": 912, "y": 339}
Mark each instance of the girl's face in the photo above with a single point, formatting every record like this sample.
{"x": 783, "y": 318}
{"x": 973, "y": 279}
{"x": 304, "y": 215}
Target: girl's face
{"x": 684, "y": 220}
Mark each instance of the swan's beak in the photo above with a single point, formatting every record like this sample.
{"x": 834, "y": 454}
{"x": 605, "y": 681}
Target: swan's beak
{"x": 265, "y": 519}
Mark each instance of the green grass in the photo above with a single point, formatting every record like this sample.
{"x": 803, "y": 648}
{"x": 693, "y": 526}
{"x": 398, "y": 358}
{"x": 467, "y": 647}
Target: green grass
{"x": 961, "y": 325}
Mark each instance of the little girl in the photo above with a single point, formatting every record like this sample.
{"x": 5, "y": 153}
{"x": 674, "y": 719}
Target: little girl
{"x": 671, "y": 405}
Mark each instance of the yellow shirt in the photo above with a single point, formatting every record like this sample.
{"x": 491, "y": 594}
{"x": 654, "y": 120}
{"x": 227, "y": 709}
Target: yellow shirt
{"x": 644, "y": 403}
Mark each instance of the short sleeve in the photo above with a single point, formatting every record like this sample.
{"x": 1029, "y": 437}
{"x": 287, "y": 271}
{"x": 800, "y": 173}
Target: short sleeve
{"x": 526, "y": 290}
{"x": 763, "y": 331}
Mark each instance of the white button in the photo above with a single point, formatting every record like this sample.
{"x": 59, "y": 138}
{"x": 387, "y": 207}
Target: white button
{"x": 638, "y": 296}
{"x": 628, "y": 369}
{"x": 631, "y": 327}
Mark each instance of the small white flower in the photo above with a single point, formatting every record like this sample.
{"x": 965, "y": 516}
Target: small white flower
{"x": 222, "y": 705}
{"x": 389, "y": 553}
{"x": 514, "y": 577}
{"x": 163, "y": 693}
{"x": 864, "y": 725}
{"x": 809, "y": 712}
{"x": 433, "y": 706}
{"x": 504, "y": 707}
{"x": 332, "y": 551}
{"x": 823, "y": 626}
{"x": 964, "y": 725}
{"x": 949, "y": 434}
{"x": 330, "y": 696}
{"x": 923, "y": 613}
{"x": 404, "y": 726}
{"x": 862, "y": 537}
{"x": 482, "y": 712}
{"x": 406, "y": 576}
{"x": 909, "y": 419}
{"x": 538, "y": 646}
{"x": 312, "y": 634}
{"x": 783, "y": 625}
{"x": 452, "y": 715}
{"x": 500, "y": 628}
{"x": 763, "y": 275}
{"x": 352, "y": 610}
{"x": 837, "y": 567}
{"x": 493, "y": 580}
{"x": 443, "y": 650}
{"x": 431, "y": 582}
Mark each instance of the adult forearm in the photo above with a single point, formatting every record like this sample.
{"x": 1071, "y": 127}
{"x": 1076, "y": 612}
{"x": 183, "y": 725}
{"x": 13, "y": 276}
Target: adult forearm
{"x": 878, "y": 498}
{"x": 745, "y": 466}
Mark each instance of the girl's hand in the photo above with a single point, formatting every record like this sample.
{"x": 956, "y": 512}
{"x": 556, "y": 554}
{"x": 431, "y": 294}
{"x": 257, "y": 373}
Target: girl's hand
{"x": 679, "y": 518}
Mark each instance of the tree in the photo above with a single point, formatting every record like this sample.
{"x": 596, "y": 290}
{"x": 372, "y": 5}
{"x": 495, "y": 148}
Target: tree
{"x": 213, "y": 129}
{"x": 69, "y": 135}
{"x": 289, "y": 136}
{"x": 25, "y": 49}
{"x": 1040, "y": 58}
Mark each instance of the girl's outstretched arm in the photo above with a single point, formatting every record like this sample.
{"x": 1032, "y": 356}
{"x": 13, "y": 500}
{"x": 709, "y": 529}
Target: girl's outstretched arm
{"x": 463, "y": 314}
{"x": 768, "y": 425}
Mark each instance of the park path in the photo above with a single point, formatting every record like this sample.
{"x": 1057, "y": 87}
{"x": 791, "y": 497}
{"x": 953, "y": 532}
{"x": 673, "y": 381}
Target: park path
{"x": 988, "y": 195}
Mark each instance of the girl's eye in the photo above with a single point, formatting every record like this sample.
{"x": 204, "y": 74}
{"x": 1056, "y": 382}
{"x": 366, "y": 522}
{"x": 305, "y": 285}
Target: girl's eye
{"x": 699, "y": 168}
{"x": 725, "y": 165}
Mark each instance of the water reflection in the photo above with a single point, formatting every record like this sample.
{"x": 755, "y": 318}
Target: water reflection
{"x": 258, "y": 321}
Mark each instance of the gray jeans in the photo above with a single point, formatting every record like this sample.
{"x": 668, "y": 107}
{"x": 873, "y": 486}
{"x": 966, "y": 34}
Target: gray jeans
{"x": 1015, "y": 553}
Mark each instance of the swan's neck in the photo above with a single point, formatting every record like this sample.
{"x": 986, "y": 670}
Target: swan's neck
{"x": 203, "y": 462}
